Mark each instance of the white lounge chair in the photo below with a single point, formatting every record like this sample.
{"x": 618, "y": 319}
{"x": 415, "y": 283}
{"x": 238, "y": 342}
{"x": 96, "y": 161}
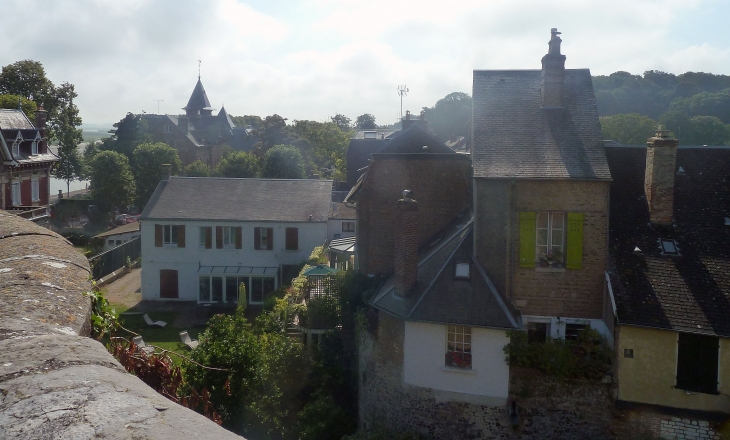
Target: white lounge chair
{"x": 151, "y": 323}
{"x": 139, "y": 342}
{"x": 185, "y": 338}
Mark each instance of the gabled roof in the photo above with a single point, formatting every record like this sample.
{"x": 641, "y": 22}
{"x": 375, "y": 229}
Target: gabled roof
{"x": 439, "y": 297}
{"x": 14, "y": 119}
{"x": 514, "y": 137}
{"x": 689, "y": 292}
{"x": 342, "y": 211}
{"x": 198, "y": 99}
{"x": 215, "y": 198}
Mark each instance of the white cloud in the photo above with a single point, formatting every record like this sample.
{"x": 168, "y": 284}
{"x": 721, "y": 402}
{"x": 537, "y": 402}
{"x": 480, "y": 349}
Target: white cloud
{"x": 310, "y": 59}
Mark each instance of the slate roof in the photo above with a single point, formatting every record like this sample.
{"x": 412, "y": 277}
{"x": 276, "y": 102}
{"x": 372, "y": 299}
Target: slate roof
{"x": 689, "y": 292}
{"x": 341, "y": 211}
{"x": 412, "y": 140}
{"x": 215, "y": 198}
{"x": 14, "y": 119}
{"x": 198, "y": 99}
{"x": 440, "y": 298}
{"x": 225, "y": 118}
{"x": 358, "y": 156}
{"x": 514, "y": 137}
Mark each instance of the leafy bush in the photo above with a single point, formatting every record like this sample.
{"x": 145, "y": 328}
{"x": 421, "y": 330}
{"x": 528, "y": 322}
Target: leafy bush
{"x": 587, "y": 357}
{"x": 104, "y": 319}
{"x": 258, "y": 377}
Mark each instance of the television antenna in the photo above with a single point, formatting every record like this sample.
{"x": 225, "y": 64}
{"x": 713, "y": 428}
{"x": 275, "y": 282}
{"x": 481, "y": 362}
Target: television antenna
{"x": 158, "y": 104}
{"x": 402, "y": 91}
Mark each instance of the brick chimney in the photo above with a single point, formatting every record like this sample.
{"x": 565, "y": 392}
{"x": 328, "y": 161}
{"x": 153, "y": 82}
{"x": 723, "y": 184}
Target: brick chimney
{"x": 661, "y": 158}
{"x": 166, "y": 171}
{"x": 406, "y": 245}
{"x": 553, "y": 73}
{"x": 41, "y": 116}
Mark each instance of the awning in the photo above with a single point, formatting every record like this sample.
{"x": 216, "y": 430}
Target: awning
{"x": 239, "y": 270}
{"x": 343, "y": 245}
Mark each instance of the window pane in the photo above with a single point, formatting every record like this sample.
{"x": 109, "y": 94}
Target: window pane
{"x": 231, "y": 289}
{"x": 557, "y": 238}
{"x": 204, "y": 289}
{"x": 542, "y": 237}
{"x": 202, "y": 236}
{"x": 268, "y": 286}
{"x": 542, "y": 220}
{"x": 218, "y": 289}
{"x": 166, "y": 234}
{"x": 257, "y": 294}
{"x": 558, "y": 218}
{"x": 173, "y": 234}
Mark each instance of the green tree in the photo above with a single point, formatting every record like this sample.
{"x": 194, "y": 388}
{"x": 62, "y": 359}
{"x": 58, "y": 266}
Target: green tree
{"x": 326, "y": 144}
{"x": 705, "y": 104}
{"x": 239, "y": 164}
{"x": 247, "y": 121}
{"x": 631, "y": 129}
{"x": 126, "y": 135}
{"x": 271, "y": 131}
{"x": 70, "y": 165}
{"x": 197, "y": 169}
{"x": 259, "y": 392}
{"x": 365, "y": 122}
{"x": 283, "y": 162}
{"x": 343, "y": 122}
{"x": 148, "y": 161}
{"x": 11, "y": 101}
{"x": 451, "y": 116}
{"x": 112, "y": 182}
{"x": 698, "y": 130}
{"x": 27, "y": 78}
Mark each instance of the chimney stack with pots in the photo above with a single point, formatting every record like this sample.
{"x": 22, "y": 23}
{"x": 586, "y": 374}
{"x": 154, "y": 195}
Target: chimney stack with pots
{"x": 166, "y": 171}
{"x": 553, "y": 73}
{"x": 661, "y": 159}
{"x": 406, "y": 245}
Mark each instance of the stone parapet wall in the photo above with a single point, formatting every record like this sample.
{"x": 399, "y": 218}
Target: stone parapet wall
{"x": 54, "y": 381}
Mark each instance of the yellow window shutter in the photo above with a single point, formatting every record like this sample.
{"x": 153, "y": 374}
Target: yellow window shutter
{"x": 575, "y": 241}
{"x": 527, "y": 239}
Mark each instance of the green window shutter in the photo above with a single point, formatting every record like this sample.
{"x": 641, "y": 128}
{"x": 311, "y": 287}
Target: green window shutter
{"x": 527, "y": 239}
{"x": 575, "y": 241}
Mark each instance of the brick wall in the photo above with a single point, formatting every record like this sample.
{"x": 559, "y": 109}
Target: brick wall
{"x": 441, "y": 183}
{"x": 574, "y": 293}
{"x": 406, "y": 246}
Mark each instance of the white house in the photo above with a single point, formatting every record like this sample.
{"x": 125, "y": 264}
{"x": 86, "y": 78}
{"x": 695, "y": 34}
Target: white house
{"x": 117, "y": 236}
{"x": 341, "y": 221}
{"x": 203, "y": 237}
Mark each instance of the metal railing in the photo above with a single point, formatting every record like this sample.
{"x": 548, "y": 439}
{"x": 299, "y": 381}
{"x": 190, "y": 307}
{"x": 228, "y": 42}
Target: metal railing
{"x": 30, "y": 212}
{"x": 107, "y": 262}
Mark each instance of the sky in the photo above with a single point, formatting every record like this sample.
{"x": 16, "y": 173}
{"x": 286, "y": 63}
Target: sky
{"x": 313, "y": 59}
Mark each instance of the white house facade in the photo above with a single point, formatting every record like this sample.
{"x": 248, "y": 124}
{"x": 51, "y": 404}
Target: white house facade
{"x": 118, "y": 236}
{"x": 204, "y": 237}
{"x": 486, "y": 382}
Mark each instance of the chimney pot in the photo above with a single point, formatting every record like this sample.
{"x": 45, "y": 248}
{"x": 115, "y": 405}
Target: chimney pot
{"x": 553, "y": 73}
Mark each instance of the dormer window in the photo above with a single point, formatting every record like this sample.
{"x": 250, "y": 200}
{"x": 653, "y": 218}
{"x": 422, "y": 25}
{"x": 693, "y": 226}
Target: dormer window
{"x": 34, "y": 148}
{"x": 168, "y": 129}
{"x": 669, "y": 247}
{"x": 461, "y": 270}
{"x": 371, "y": 135}
{"x": 16, "y": 148}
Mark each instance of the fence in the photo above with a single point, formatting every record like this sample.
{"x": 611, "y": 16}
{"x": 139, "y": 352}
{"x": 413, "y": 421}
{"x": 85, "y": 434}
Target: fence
{"x": 107, "y": 262}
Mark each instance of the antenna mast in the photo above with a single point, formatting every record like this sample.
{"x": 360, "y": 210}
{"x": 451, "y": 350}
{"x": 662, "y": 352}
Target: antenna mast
{"x": 199, "y": 61}
{"x": 402, "y": 91}
{"x": 158, "y": 104}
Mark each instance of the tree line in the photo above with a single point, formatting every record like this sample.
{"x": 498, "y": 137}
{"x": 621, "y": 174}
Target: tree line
{"x": 694, "y": 106}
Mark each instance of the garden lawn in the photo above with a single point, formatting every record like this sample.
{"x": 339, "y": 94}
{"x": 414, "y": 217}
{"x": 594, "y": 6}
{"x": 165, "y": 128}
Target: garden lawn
{"x": 167, "y": 338}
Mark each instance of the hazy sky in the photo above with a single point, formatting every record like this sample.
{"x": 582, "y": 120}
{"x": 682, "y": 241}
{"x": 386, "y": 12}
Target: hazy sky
{"x": 311, "y": 59}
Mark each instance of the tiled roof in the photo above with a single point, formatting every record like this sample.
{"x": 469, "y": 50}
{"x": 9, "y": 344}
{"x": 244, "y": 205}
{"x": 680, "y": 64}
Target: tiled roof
{"x": 439, "y": 297}
{"x": 341, "y": 211}
{"x": 689, "y": 292}
{"x": 358, "y": 156}
{"x": 14, "y": 119}
{"x": 514, "y": 137}
{"x": 214, "y": 198}
{"x": 412, "y": 140}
